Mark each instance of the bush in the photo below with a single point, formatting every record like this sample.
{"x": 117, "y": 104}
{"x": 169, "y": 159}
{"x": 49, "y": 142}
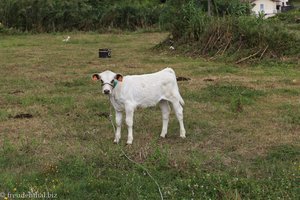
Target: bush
{"x": 8, "y": 31}
{"x": 85, "y": 15}
{"x": 232, "y": 7}
{"x": 130, "y": 17}
{"x": 196, "y": 33}
{"x": 46, "y": 16}
{"x": 292, "y": 16}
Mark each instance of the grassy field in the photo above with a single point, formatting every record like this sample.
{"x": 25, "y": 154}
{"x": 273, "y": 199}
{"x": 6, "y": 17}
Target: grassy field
{"x": 242, "y": 122}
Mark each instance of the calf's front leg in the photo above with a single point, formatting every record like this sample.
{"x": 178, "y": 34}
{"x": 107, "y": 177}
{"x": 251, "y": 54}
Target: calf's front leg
{"x": 129, "y": 122}
{"x": 119, "y": 123}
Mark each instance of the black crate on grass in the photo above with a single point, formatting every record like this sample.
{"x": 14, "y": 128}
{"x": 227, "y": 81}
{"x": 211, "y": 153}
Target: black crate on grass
{"x": 104, "y": 53}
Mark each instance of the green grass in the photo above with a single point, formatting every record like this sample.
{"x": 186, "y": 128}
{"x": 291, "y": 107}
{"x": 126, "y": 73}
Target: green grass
{"x": 242, "y": 123}
{"x": 234, "y": 96}
{"x": 290, "y": 113}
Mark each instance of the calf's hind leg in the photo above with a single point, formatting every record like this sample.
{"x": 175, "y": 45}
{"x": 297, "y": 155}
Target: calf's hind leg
{"x": 179, "y": 114}
{"x": 165, "y": 110}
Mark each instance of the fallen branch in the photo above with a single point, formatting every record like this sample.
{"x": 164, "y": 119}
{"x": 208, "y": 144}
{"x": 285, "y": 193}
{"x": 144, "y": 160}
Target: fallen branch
{"x": 216, "y": 41}
{"x": 240, "y": 46}
{"x": 229, "y": 41}
{"x": 248, "y": 57}
{"x": 207, "y": 44}
{"x": 262, "y": 54}
{"x": 215, "y": 54}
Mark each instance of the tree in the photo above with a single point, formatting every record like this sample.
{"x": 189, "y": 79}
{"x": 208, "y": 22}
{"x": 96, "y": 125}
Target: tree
{"x": 209, "y": 7}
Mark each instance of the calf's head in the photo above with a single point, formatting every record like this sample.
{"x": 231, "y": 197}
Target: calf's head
{"x": 108, "y": 80}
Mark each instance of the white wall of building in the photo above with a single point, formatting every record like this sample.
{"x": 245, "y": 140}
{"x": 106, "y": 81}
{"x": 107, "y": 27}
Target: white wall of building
{"x": 266, "y": 6}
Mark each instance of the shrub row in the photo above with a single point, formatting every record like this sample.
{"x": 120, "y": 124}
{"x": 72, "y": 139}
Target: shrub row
{"x": 56, "y": 15}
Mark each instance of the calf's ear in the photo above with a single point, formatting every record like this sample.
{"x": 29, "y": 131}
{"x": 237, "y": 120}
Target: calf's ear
{"x": 95, "y": 77}
{"x": 119, "y": 77}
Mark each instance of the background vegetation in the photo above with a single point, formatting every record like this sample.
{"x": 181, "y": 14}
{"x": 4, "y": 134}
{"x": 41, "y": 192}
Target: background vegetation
{"x": 86, "y": 15}
{"x": 232, "y": 33}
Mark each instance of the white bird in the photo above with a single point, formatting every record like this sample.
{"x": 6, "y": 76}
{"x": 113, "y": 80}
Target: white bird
{"x": 172, "y": 48}
{"x": 66, "y": 39}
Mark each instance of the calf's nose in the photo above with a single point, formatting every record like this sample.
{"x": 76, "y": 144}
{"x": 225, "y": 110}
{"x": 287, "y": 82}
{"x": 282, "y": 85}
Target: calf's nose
{"x": 106, "y": 91}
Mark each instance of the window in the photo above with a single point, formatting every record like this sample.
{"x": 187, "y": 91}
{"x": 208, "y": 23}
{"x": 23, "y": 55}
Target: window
{"x": 262, "y": 7}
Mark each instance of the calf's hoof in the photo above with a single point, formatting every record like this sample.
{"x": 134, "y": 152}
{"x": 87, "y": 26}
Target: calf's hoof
{"x": 182, "y": 133}
{"x": 116, "y": 141}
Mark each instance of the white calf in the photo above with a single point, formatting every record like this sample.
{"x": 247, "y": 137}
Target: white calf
{"x": 129, "y": 92}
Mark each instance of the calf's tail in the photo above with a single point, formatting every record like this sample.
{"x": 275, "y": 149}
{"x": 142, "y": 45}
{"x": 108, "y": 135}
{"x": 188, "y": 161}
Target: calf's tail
{"x": 177, "y": 94}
